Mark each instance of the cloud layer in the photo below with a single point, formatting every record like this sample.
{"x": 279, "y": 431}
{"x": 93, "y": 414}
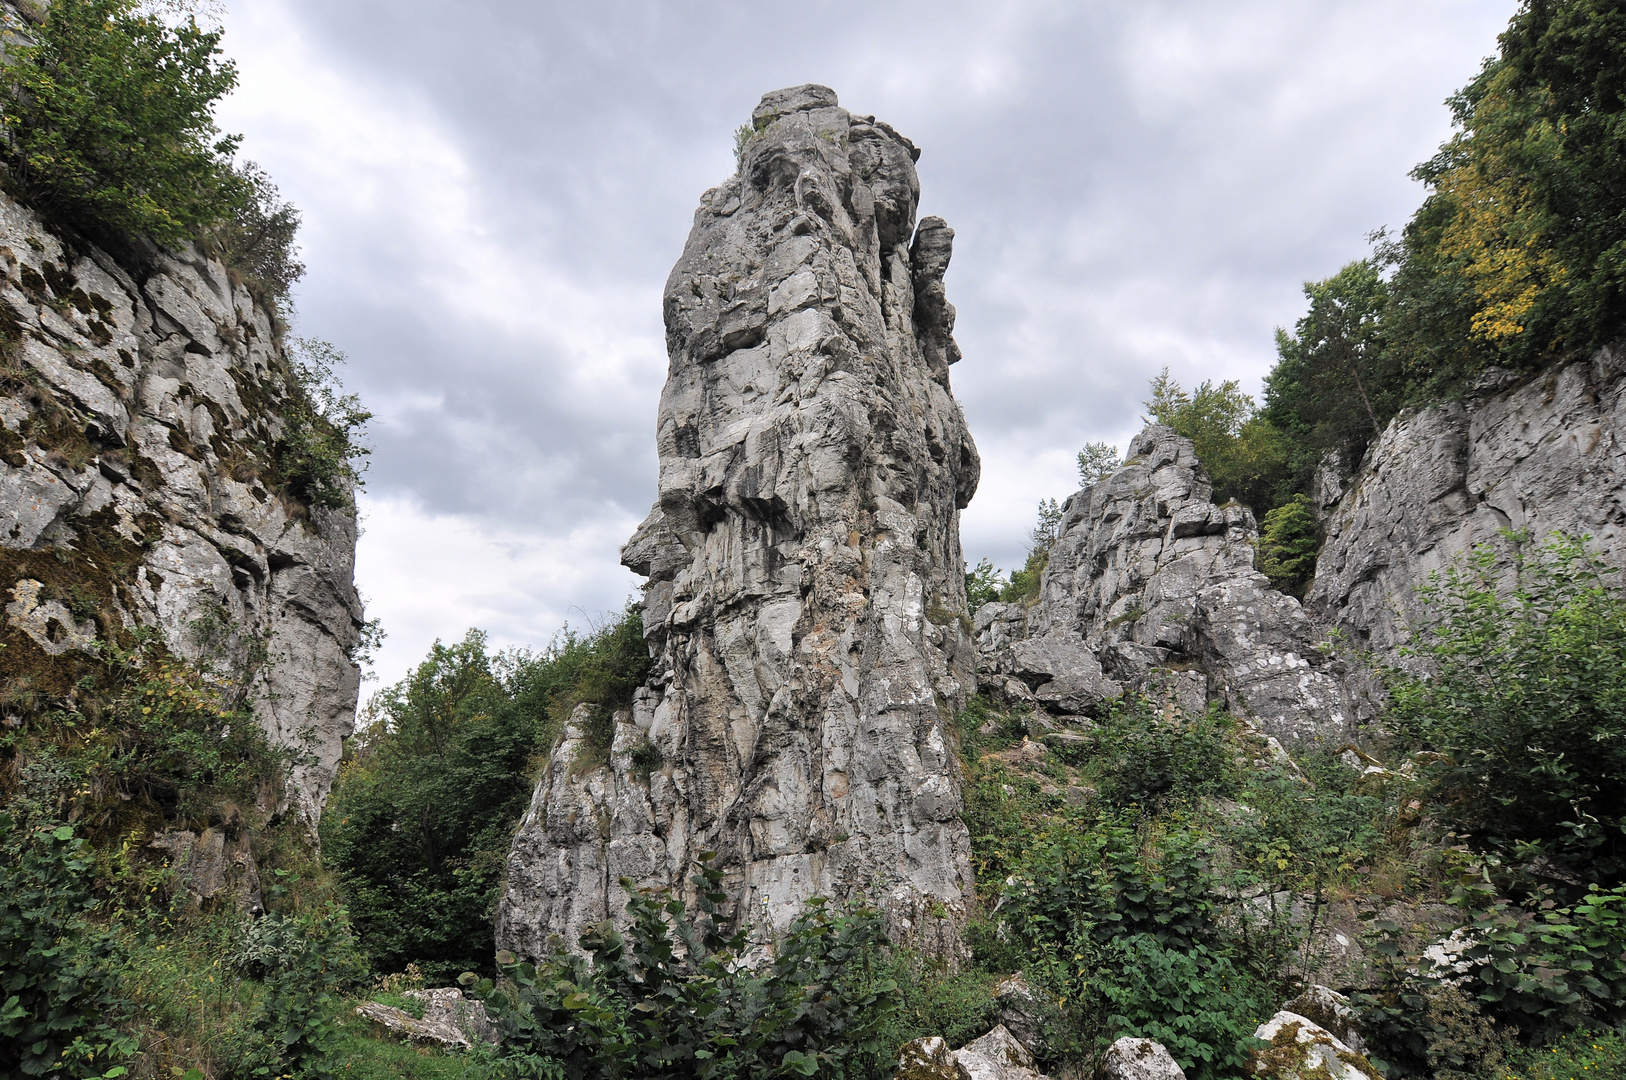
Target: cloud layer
{"x": 494, "y": 192}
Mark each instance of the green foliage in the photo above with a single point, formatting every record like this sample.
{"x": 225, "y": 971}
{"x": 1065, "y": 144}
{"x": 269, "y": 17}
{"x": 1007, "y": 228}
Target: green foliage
{"x": 1526, "y": 711}
{"x": 1546, "y": 967}
{"x": 315, "y": 456}
{"x": 109, "y": 122}
{"x": 1096, "y": 462}
{"x": 1516, "y": 255}
{"x": 1336, "y": 382}
{"x": 1289, "y": 542}
{"x": 257, "y": 241}
{"x": 57, "y": 999}
{"x": 671, "y": 997}
{"x": 1202, "y": 1007}
{"x": 983, "y": 584}
{"x": 417, "y": 827}
{"x": 296, "y": 1031}
{"x": 1592, "y": 1053}
{"x": 1137, "y": 757}
{"x": 1246, "y": 457}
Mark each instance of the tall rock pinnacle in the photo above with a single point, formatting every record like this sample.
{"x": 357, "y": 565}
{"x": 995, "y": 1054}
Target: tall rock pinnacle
{"x": 805, "y": 575}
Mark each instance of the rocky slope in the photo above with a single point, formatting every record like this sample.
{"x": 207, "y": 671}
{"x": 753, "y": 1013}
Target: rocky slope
{"x": 1544, "y": 454}
{"x": 133, "y": 401}
{"x": 803, "y": 560}
{"x": 1150, "y": 586}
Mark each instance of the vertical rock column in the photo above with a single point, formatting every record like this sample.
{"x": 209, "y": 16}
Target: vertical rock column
{"x": 805, "y": 595}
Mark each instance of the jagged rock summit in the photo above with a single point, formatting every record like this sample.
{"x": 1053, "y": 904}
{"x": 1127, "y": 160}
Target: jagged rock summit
{"x": 1151, "y": 587}
{"x": 803, "y": 560}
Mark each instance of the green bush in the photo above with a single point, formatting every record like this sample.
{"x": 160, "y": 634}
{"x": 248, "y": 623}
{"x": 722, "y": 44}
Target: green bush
{"x": 1526, "y": 710}
{"x": 672, "y": 997}
{"x": 418, "y": 825}
{"x": 303, "y": 961}
{"x": 58, "y": 1001}
{"x": 1578, "y": 1054}
{"x": 109, "y": 126}
{"x": 983, "y": 585}
{"x": 1137, "y": 757}
{"x": 1197, "y": 1003}
{"x": 1097, "y": 461}
{"x": 1289, "y": 543}
{"x": 257, "y": 241}
{"x": 315, "y": 456}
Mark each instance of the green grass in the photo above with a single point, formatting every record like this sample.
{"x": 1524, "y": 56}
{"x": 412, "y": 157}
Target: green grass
{"x": 366, "y": 1053}
{"x": 1583, "y": 1055}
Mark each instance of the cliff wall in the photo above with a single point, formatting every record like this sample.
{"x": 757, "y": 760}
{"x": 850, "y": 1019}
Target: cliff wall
{"x": 803, "y": 560}
{"x": 1544, "y": 454}
{"x": 138, "y": 403}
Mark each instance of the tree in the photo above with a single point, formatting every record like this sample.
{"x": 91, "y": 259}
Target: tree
{"x": 1097, "y": 461}
{"x": 109, "y": 122}
{"x": 1336, "y": 383}
{"x": 1518, "y": 255}
{"x": 1243, "y": 453}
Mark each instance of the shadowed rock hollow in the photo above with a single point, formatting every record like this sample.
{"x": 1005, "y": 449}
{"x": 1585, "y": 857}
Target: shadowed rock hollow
{"x": 804, "y": 564}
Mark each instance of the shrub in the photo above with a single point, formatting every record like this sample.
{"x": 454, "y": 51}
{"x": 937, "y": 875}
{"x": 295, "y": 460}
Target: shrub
{"x": 320, "y": 443}
{"x": 1198, "y": 1004}
{"x": 673, "y": 997}
{"x": 305, "y": 961}
{"x": 109, "y": 126}
{"x": 1579, "y": 1053}
{"x": 257, "y": 241}
{"x": 57, "y": 998}
{"x": 1137, "y": 757}
{"x": 1289, "y": 544}
{"x": 983, "y": 585}
{"x": 1526, "y": 708}
{"x": 418, "y": 825}
{"x": 1245, "y": 456}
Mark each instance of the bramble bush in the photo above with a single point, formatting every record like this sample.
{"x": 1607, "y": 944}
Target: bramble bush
{"x": 673, "y": 996}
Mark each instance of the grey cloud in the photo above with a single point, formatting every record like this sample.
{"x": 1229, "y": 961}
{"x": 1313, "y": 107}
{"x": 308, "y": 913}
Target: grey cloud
{"x": 1117, "y": 207}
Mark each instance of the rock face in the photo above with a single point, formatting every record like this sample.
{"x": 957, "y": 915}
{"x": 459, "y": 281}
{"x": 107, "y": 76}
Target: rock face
{"x": 803, "y": 560}
{"x": 1151, "y": 586}
{"x": 131, "y": 400}
{"x": 1544, "y": 454}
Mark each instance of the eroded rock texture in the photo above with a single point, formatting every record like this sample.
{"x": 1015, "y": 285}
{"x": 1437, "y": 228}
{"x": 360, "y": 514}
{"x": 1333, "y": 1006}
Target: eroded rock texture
{"x": 133, "y": 400}
{"x": 1541, "y": 455}
{"x": 803, "y": 560}
{"x": 1150, "y": 586}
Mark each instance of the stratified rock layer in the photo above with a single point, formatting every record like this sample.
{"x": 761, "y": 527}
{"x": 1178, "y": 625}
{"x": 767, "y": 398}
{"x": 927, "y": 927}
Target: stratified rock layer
{"x": 133, "y": 400}
{"x": 1150, "y": 586}
{"x": 1542, "y": 455}
{"x": 803, "y": 560}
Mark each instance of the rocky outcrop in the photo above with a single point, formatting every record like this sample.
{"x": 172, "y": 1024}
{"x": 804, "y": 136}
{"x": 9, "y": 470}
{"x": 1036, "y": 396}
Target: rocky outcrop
{"x": 1544, "y": 454}
{"x": 1151, "y": 586}
{"x": 803, "y": 564}
{"x": 995, "y": 1056}
{"x": 133, "y": 402}
{"x": 1301, "y": 1049}
{"x": 1139, "y": 1059}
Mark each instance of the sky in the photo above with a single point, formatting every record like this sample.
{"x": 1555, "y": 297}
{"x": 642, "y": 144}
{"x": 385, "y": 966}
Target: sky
{"x": 494, "y": 191}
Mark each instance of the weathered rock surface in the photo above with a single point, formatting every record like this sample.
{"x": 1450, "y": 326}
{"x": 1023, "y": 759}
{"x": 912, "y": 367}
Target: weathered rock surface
{"x": 448, "y": 1018}
{"x": 1545, "y": 454}
{"x": 803, "y": 560}
{"x": 1301, "y": 1049}
{"x": 1139, "y": 1059}
{"x": 995, "y": 1056}
{"x": 1151, "y": 586}
{"x": 205, "y": 867}
{"x": 131, "y": 400}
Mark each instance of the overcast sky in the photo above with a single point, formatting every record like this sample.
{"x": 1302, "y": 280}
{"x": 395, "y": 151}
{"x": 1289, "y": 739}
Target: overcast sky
{"x": 493, "y": 194}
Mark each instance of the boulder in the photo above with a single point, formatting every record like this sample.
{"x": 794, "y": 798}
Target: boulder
{"x": 926, "y": 1059}
{"x": 1301, "y": 1049}
{"x": 448, "y": 1018}
{"x": 1139, "y": 1059}
{"x": 1332, "y": 1010}
{"x": 995, "y": 1056}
